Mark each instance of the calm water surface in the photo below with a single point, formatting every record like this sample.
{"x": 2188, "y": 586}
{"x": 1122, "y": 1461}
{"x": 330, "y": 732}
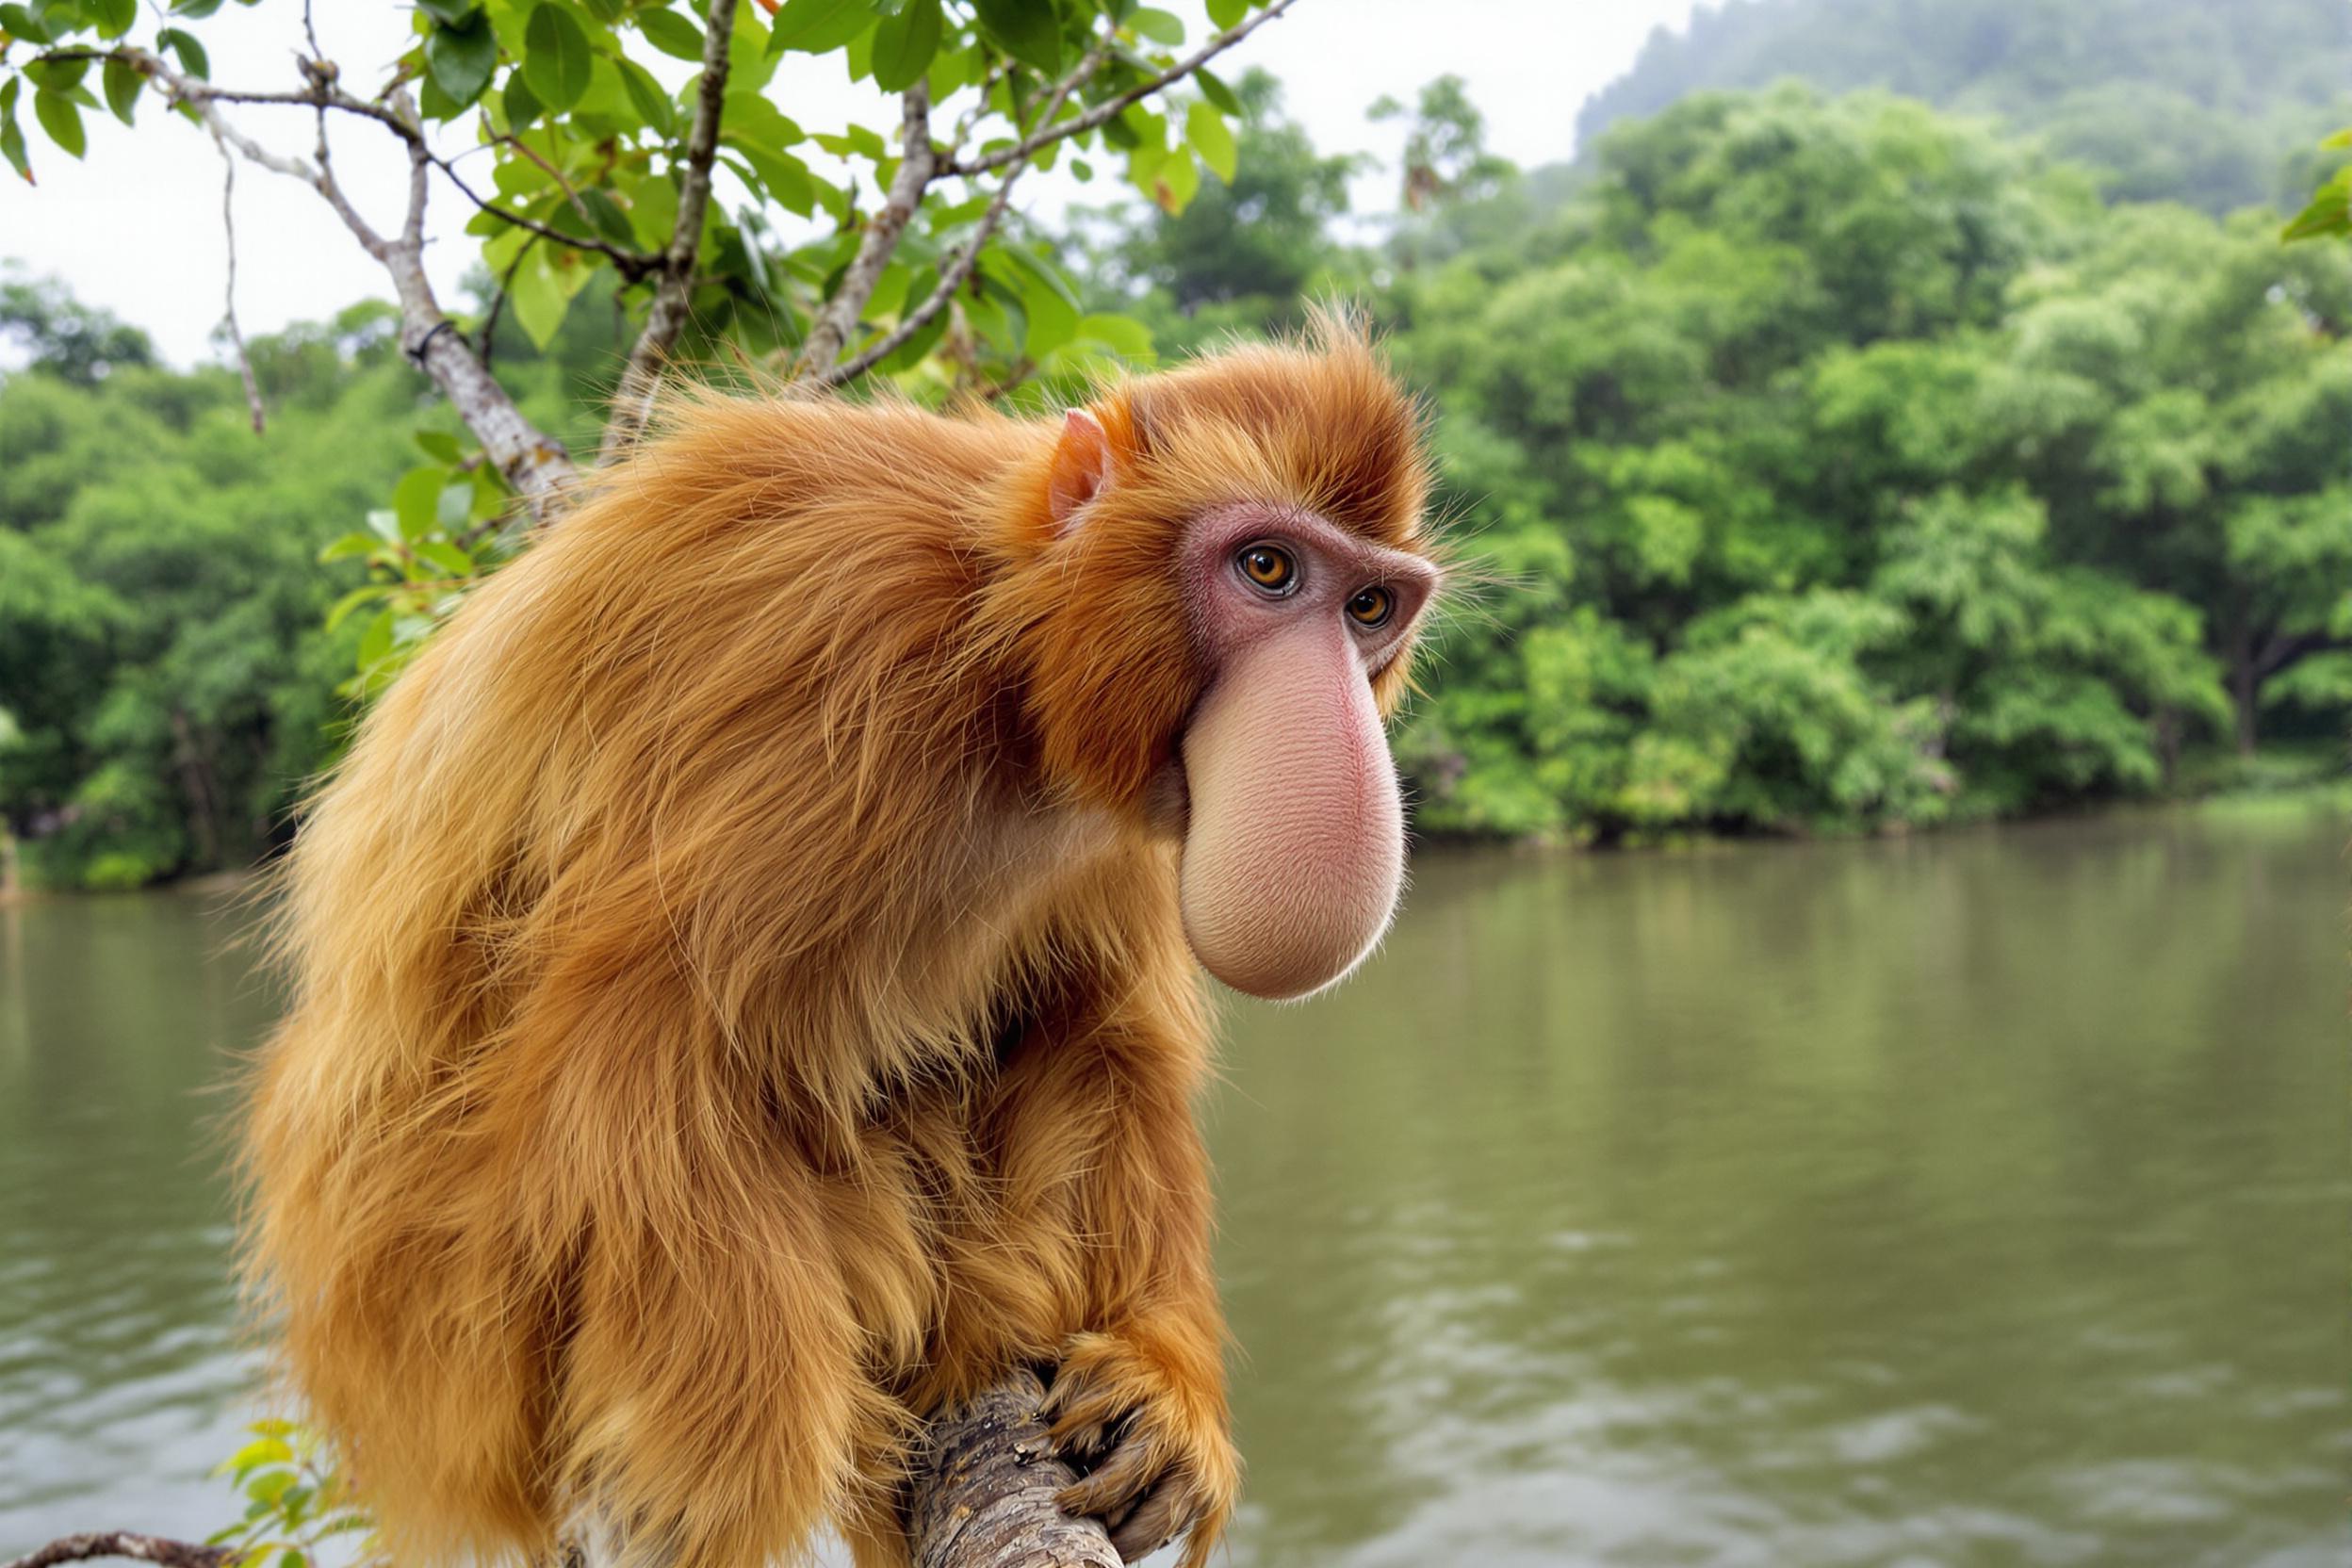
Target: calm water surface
{"x": 1978, "y": 1199}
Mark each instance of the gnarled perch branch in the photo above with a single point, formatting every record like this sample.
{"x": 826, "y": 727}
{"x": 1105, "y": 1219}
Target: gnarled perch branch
{"x": 982, "y": 1496}
{"x": 984, "y": 1486}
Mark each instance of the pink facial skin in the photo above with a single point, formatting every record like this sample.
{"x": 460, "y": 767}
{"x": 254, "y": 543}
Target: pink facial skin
{"x": 1295, "y": 845}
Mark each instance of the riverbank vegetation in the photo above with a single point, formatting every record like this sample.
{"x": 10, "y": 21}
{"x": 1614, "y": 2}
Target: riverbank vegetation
{"x": 1830, "y": 463}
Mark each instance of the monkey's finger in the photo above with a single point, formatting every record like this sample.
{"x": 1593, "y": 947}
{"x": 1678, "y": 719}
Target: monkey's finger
{"x": 1158, "y": 1517}
{"x": 1086, "y": 1421}
{"x": 1131, "y": 1471}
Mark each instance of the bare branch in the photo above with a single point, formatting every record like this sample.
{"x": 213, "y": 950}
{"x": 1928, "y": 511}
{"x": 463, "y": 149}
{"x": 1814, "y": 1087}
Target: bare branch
{"x": 837, "y": 317}
{"x": 228, "y": 292}
{"x": 632, "y": 405}
{"x": 143, "y": 1548}
{"x": 1110, "y": 107}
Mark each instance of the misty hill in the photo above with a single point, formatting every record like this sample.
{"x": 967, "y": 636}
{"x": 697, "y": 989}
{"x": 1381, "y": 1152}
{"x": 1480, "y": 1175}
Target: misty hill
{"x": 2215, "y": 103}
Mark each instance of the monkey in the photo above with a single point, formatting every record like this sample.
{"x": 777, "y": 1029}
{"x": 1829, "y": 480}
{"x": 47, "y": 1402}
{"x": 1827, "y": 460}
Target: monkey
{"x": 746, "y": 974}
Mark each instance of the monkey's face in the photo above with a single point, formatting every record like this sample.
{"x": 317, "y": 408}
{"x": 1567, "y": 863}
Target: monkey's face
{"x": 1294, "y": 840}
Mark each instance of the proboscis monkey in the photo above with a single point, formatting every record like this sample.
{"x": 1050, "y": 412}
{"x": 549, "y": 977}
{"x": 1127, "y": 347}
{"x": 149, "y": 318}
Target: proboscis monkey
{"x": 746, "y": 971}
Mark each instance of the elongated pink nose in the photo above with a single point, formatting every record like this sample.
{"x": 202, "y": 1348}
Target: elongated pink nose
{"x": 1296, "y": 848}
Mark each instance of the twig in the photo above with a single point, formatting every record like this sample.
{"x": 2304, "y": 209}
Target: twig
{"x": 950, "y": 279}
{"x": 237, "y": 333}
{"x": 632, "y": 405}
{"x": 918, "y": 165}
{"x": 1110, "y": 107}
{"x": 143, "y": 1548}
{"x": 632, "y": 264}
{"x": 952, "y": 276}
{"x": 486, "y": 339}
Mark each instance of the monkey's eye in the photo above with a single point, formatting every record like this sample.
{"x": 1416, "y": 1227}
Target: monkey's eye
{"x": 1268, "y": 566}
{"x": 1372, "y": 606}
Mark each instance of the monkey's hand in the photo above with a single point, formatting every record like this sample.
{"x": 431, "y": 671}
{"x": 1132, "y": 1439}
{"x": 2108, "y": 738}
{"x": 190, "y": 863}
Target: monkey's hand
{"x": 1142, "y": 1415}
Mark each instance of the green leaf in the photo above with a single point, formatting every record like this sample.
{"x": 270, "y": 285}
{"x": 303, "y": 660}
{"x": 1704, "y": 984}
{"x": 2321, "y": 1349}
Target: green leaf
{"x": 648, "y": 98}
{"x": 672, "y": 34}
{"x": 375, "y": 643}
{"x": 350, "y": 547}
{"x": 354, "y": 600}
{"x": 18, "y": 21}
{"x": 416, "y": 500}
{"x": 1213, "y": 87}
{"x": 57, "y": 76}
{"x": 113, "y": 17}
{"x": 1029, "y": 30}
{"x": 1176, "y": 182}
{"x": 190, "y": 54}
{"x": 449, "y": 13}
{"x": 1212, "y": 138}
{"x": 440, "y": 446}
{"x": 122, "y": 82}
{"x": 2335, "y": 140}
{"x": 785, "y": 177}
{"x": 195, "y": 10}
{"x": 904, "y": 45}
{"x": 61, "y": 120}
{"x": 452, "y": 561}
{"x": 1158, "y": 25}
{"x": 271, "y": 1450}
{"x": 522, "y": 105}
{"x": 818, "y": 27}
{"x": 12, "y": 142}
{"x": 1223, "y": 14}
{"x": 1124, "y": 335}
{"x": 460, "y": 58}
{"x": 556, "y": 57}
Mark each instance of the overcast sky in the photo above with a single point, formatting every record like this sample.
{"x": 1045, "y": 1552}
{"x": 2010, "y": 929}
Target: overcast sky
{"x": 137, "y": 227}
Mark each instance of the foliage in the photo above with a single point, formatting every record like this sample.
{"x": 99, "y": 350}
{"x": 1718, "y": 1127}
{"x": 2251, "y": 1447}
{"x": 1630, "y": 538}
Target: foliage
{"x": 1850, "y": 465}
{"x": 1833, "y": 465}
{"x": 585, "y": 123}
{"x": 295, "y": 1503}
{"x": 2329, "y": 212}
{"x": 2167, "y": 99}
{"x": 160, "y": 597}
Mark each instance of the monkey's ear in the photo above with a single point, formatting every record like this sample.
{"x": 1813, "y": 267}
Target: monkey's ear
{"x": 1082, "y": 466}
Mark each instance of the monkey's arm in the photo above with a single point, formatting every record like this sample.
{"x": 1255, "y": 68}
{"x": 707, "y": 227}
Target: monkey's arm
{"x": 1098, "y": 1111}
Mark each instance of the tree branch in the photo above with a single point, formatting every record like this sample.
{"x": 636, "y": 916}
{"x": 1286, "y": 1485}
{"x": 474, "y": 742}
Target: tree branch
{"x": 228, "y": 291}
{"x": 950, "y": 279}
{"x": 983, "y": 1488}
{"x": 144, "y": 1548}
{"x": 535, "y": 463}
{"x": 982, "y": 1496}
{"x": 918, "y": 164}
{"x": 1110, "y": 107}
{"x": 632, "y": 405}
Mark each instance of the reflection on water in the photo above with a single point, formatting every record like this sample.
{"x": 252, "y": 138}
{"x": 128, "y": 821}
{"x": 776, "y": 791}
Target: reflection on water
{"x": 1977, "y": 1198}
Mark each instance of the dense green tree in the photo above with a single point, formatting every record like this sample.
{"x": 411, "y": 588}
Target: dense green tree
{"x": 1847, "y": 463}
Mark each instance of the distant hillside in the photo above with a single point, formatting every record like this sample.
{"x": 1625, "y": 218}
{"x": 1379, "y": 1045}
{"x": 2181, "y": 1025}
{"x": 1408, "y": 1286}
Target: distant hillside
{"x": 2211, "y": 102}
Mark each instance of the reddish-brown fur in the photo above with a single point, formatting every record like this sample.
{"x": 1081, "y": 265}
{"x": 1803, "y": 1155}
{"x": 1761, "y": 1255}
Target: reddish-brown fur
{"x": 741, "y": 1000}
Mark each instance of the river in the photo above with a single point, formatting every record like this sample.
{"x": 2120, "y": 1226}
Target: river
{"x": 1976, "y": 1198}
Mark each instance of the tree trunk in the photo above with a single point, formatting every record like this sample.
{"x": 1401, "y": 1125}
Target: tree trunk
{"x": 2245, "y": 694}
